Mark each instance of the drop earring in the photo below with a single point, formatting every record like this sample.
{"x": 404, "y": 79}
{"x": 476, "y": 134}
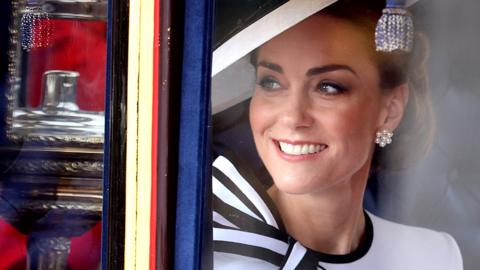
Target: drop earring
{"x": 384, "y": 138}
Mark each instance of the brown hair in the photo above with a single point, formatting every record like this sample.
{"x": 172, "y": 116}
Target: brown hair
{"x": 414, "y": 135}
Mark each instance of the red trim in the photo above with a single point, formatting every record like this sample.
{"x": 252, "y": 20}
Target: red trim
{"x": 156, "y": 67}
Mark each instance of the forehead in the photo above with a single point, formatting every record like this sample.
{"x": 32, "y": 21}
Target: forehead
{"x": 321, "y": 38}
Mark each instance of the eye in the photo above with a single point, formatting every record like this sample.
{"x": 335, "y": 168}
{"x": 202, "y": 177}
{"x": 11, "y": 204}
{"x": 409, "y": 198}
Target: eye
{"x": 269, "y": 83}
{"x": 330, "y": 88}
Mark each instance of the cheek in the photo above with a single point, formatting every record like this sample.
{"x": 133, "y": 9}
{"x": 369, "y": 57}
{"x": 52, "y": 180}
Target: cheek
{"x": 352, "y": 129}
{"x": 259, "y": 115}
{"x": 254, "y": 118}
{"x": 259, "y": 124}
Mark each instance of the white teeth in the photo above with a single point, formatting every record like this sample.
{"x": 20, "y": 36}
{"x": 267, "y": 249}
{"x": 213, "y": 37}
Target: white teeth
{"x": 297, "y": 149}
{"x": 300, "y": 149}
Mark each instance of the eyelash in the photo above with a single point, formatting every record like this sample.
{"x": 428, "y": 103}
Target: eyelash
{"x": 338, "y": 89}
{"x": 267, "y": 82}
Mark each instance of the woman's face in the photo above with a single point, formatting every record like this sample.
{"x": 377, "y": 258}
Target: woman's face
{"x": 316, "y": 105}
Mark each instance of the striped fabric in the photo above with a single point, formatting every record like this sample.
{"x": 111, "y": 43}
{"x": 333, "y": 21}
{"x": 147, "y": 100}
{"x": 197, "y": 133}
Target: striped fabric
{"x": 247, "y": 230}
{"x": 243, "y": 223}
{"x": 248, "y": 234}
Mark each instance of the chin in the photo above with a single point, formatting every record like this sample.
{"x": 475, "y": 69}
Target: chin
{"x": 296, "y": 185}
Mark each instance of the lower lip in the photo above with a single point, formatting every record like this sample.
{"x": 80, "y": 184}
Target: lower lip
{"x": 289, "y": 157}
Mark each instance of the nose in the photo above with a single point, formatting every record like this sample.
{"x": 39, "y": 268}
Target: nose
{"x": 297, "y": 111}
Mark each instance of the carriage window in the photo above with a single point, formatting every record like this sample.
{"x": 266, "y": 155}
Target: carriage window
{"x": 52, "y": 108}
{"x": 286, "y": 103}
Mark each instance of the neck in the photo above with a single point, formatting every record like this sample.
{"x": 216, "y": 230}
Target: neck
{"x": 330, "y": 221}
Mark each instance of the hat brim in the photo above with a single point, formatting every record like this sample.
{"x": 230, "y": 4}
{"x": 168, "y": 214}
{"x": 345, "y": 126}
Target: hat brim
{"x": 264, "y": 29}
{"x": 230, "y": 60}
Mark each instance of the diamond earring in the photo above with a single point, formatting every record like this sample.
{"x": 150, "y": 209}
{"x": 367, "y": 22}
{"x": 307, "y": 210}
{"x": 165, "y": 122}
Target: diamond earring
{"x": 384, "y": 137}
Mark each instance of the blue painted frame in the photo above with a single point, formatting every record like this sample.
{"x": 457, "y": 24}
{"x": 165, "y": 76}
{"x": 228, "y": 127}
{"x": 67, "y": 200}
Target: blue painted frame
{"x": 193, "y": 216}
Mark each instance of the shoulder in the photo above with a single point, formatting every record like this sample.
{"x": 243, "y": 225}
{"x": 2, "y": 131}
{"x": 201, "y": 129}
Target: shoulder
{"x": 236, "y": 187}
{"x": 415, "y": 247}
{"x": 246, "y": 230}
{"x": 231, "y": 261}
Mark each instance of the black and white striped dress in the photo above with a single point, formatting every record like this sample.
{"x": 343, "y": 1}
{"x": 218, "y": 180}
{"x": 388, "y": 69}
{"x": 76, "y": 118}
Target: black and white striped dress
{"x": 248, "y": 234}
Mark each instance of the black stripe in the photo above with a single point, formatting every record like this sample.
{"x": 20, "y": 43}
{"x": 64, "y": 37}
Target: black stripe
{"x": 265, "y": 232}
{"x": 252, "y": 179}
{"x": 221, "y": 226}
{"x": 313, "y": 257}
{"x": 306, "y": 263}
{"x": 291, "y": 242}
{"x": 249, "y": 251}
{"x": 230, "y": 185}
{"x": 353, "y": 256}
{"x": 245, "y": 222}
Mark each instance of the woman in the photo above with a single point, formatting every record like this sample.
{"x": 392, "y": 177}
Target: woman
{"x": 323, "y": 99}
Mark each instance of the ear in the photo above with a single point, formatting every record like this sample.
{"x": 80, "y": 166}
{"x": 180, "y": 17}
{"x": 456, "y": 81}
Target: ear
{"x": 395, "y": 103}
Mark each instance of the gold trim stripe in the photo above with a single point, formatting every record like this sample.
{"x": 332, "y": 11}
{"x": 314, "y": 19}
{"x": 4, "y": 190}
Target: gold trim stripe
{"x": 139, "y": 135}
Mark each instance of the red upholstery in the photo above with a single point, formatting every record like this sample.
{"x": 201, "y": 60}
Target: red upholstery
{"x": 12, "y": 247}
{"x": 84, "y": 254}
{"x": 75, "y": 45}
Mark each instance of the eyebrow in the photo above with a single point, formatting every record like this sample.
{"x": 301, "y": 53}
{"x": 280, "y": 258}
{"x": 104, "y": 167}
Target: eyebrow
{"x": 310, "y": 72}
{"x": 329, "y": 68}
{"x": 271, "y": 66}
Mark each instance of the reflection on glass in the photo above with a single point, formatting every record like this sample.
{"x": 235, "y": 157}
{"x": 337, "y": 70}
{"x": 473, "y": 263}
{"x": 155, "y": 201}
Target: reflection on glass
{"x": 51, "y": 159}
{"x": 57, "y": 55}
{"x": 59, "y": 112}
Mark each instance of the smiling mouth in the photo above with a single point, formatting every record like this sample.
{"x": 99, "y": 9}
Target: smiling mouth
{"x": 301, "y": 149}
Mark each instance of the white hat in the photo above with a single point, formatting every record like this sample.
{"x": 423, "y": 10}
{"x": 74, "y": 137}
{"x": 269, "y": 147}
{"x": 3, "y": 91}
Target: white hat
{"x": 243, "y": 26}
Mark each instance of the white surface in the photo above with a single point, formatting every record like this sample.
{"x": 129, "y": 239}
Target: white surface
{"x": 277, "y": 21}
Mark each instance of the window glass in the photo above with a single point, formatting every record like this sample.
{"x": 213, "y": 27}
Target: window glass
{"x": 270, "y": 118}
{"x": 52, "y": 103}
